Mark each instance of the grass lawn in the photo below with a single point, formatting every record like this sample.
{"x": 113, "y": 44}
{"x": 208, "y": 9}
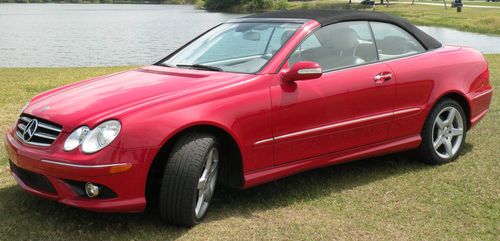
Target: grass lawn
{"x": 481, "y": 3}
{"x": 448, "y": 2}
{"x": 479, "y": 20}
{"x": 392, "y": 198}
{"x": 466, "y": 3}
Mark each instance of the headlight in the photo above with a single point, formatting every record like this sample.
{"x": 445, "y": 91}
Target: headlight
{"x": 75, "y": 138}
{"x": 101, "y": 136}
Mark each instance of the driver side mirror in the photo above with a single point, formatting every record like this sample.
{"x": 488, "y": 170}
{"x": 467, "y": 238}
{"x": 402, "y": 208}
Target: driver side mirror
{"x": 302, "y": 70}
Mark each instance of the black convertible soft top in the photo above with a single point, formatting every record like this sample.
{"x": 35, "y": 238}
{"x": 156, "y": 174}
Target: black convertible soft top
{"x": 326, "y": 17}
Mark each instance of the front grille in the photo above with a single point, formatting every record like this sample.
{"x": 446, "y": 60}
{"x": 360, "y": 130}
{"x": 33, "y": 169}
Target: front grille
{"x": 34, "y": 180}
{"x": 45, "y": 133}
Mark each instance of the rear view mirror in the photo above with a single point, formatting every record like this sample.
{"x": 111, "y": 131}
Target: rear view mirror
{"x": 252, "y": 36}
{"x": 302, "y": 70}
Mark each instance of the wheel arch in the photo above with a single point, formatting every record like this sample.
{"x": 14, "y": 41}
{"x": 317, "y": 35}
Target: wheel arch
{"x": 461, "y": 99}
{"x": 231, "y": 165}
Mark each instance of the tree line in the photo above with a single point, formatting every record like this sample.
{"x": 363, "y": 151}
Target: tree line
{"x": 243, "y": 5}
{"x": 104, "y": 1}
{"x": 220, "y": 5}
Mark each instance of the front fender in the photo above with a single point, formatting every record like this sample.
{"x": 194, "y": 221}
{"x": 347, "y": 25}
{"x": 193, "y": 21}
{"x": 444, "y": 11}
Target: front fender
{"x": 243, "y": 110}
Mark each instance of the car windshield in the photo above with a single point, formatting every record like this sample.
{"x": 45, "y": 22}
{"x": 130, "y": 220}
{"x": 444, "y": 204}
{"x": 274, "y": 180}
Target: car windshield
{"x": 234, "y": 47}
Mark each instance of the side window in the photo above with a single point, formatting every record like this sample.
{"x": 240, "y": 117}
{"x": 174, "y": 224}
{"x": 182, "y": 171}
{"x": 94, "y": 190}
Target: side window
{"x": 279, "y": 37}
{"x": 338, "y": 46}
{"x": 310, "y": 43}
{"x": 394, "y": 42}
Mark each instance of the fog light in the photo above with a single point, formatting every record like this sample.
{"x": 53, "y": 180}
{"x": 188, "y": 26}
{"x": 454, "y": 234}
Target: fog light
{"x": 91, "y": 190}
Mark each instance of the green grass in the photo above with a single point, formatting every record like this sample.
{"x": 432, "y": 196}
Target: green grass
{"x": 481, "y": 3}
{"x": 466, "y": 3}
{"x": 470, "y": 19}
{"x": 391, "y": 198}
{"x": 478, "y": 20}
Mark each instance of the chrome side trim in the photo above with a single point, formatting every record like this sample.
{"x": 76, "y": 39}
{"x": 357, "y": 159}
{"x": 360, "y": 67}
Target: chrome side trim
{"x": 83, "y": 166}
{"x": 263, "y": 141}
{"x": 399, "y": 112}
{"x": 321, "y": 128}
{"x": 482, "y": 94}
{"x": 334, "y": 125}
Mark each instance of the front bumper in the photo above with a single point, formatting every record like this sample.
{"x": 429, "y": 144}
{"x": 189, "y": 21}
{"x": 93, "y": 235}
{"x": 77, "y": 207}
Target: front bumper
{"x": 36, "y": 169}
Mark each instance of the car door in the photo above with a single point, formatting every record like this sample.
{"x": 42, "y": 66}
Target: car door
{"x": 415, "y": 72}
{"x": 349, "y": 106}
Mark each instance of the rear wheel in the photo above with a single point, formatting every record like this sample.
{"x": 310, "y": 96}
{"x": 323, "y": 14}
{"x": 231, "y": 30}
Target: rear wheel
{"x": 444, "y": 132}
{"x": 189, "y": 179}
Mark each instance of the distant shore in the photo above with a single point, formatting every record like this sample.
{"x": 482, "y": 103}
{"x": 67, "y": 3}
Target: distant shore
{"x": 478, "y": 20}
{"x": 187, "y": 2}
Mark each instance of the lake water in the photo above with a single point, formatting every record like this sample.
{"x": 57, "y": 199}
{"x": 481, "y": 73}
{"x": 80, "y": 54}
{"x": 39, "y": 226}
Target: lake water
{"x": 487, "y": 44}
{"x": 106, "y": 35}
{"x": 97, "y": 34}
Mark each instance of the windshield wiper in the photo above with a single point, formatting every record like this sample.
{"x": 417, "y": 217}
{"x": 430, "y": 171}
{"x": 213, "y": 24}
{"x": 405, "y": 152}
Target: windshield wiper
{"x": 200, "y": 66}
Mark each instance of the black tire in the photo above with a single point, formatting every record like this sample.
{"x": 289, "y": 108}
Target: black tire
{"x": 426, "y": 150}
{"x": 185, "y": 165}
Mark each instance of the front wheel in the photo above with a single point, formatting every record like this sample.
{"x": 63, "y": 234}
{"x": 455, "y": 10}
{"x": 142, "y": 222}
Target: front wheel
{"x": 444, "y": 132}
{"x": 189, "y": 179}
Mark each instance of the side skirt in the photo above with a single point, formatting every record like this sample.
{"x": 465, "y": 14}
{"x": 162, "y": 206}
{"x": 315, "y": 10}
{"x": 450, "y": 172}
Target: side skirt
{"x": 255, "y": 178}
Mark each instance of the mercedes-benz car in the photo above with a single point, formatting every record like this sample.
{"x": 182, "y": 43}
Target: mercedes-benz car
{"x": 252, "y": 100}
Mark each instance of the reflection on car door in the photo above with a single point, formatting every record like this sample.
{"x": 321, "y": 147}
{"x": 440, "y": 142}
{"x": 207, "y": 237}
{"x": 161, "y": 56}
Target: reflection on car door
{"x": 349, "y": 106}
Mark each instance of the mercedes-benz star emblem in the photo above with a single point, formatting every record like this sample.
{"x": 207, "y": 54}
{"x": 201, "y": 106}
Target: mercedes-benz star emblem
{"x": 30, "y": 130}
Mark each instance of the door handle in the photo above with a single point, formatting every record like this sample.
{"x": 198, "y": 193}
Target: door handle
{"x": 382, "y": 77}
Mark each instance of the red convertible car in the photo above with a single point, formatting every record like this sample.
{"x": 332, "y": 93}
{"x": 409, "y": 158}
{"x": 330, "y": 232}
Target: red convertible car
{"x": 250, "y": 101}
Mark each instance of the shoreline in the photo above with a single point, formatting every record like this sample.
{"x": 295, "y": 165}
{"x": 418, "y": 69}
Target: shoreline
{"x": 475, "y": 20}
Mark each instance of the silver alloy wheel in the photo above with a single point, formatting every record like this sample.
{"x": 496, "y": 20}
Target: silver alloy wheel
{"x": 447, "y": 132}
{"x": 206, "y": 183}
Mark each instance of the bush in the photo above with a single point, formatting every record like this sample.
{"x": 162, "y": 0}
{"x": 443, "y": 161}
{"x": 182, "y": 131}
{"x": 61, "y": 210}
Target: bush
{"x": 282, "y": 4}
{"x": 199, "y": 4}
{"x": 244, "y": 5}
{"x": 254, "y": 5}
{"x": 221, "y": 4}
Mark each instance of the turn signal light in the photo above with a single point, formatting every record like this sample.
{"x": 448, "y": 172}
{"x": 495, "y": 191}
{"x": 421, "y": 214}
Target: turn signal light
{"x": 120, "y": 168}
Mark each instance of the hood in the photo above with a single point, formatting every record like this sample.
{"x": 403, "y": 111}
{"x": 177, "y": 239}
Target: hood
{"x": 88, "y": 101}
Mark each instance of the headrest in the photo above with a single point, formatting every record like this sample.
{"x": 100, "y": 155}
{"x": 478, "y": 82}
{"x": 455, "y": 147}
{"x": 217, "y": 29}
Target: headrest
{"x": 394, "y": 45}
{"x": 341, "y": 38}
{"x": 286, "y": 35}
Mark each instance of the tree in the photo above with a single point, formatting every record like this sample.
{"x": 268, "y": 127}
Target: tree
{"x": 221, "y": 4}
